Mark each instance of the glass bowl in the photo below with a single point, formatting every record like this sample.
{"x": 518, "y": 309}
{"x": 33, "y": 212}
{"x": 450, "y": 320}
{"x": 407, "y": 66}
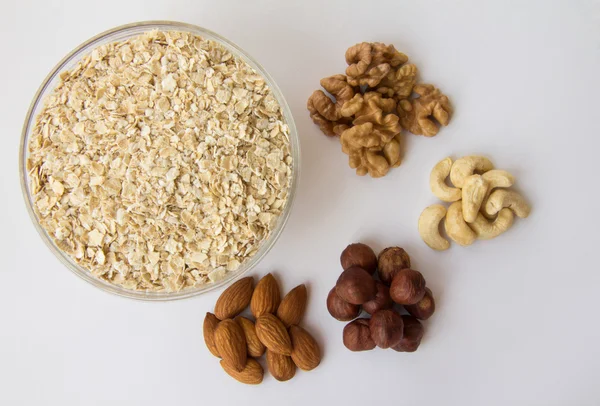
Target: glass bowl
{"x": 118, "y": 34}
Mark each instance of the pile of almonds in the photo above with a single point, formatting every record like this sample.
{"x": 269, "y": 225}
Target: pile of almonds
{"x": 240, "y": 341}
{"x": 397, "y": 285}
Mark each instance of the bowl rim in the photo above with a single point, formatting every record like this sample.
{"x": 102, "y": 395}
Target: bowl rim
{"x": 130, "y": 30}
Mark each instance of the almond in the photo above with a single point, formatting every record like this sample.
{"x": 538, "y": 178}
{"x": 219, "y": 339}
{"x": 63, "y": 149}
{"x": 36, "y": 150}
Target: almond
{"x": 252, "y": 374}
{"x": 234, "y": 299}
{"x": 273, "y": 335}
{"x": 305, "y": 354}
{"x": 231, "y": 344}
{"x": 292, "y": 306}
{"x": 210, "y": 325}
{"x": 254, "y": 346}
{"x": 280, "y": 366}
{"x": 266, "y": 296}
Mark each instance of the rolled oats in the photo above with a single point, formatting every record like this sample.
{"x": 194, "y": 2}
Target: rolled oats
{"x": 160, "y": 162}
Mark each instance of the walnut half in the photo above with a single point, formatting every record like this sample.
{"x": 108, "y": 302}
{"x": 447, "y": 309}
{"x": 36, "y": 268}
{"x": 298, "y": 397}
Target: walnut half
{"x": 416, "y": 115}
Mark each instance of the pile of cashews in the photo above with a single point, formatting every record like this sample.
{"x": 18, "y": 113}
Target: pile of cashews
{"x": 480, "y": 208}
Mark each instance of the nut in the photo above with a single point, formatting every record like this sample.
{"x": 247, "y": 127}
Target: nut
{"x": 382, "y": 299}
{"x": 253, "y": 345}
{"x": 408, "y": 287}
{"x": 266, "y": 297}
{"x": 210, "y": 325}
{"x": 251, "y": 374}
{"x": 340, "y": 309}
{"x": 500, "y": 199}
{"x": 424, "y": 308}
{"x": 272, "y": 333}
{"x": 390, "y": 261}
{"x": 234, "y": 299}
{"x": 413, "y": 333}
{"x": 437, "y": 182}
{"x": 474, "y": 192}
{"x": 467, "y": 166}
{"x": 357, "y": 336}
{"x": 386, "y": 328}
{"x": 498, "y": 178}
{"x": 292, "y": 307}
{"x": 280, "y": 366}
{"x": 416, "y": 115}
{"x": 399, "y": 82}
{"x": 486, "y": 229}
{"x": 369, "y": 63}
{"x": 360, "y": 255}
{"x": 456, "y": 226}
{"x": 429, "y": 227}
{"x": 305, "y": 354}
{"x": 231, "y": 344}
{"x": 355, "y": 286}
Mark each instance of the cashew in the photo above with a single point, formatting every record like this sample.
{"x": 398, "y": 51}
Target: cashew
{"x": 487, "y": 230}
{"x": 498, "y": 178}
{"x": 429, "y": 227}
{"x": 466, "y": 166}
{"x": 437, "y": 182}
{"x": 456, "y": 227}
{"x": 473, "y": 193}
{"x": 501, "y": 198}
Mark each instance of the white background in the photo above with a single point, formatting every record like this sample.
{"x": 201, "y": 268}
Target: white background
{"x": 517, "y": 319}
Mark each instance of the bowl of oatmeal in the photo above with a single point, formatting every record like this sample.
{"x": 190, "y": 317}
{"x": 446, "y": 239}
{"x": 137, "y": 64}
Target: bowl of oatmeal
{"x": 158, "y": 161}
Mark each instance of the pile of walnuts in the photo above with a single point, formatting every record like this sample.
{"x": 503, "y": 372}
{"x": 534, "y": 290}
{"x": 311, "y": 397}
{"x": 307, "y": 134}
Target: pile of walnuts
{"x": 370, "y": 105}
{"x": 357, "y": 289}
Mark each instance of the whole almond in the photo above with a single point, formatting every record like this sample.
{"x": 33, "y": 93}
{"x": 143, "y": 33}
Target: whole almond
{"x": 266, "y": 296}
{"x": 231, "y": 344}
{"x": 292, "y": 307}
{"x": 234, "y": 299}
{"x": 254, "y": 346}
{"x": 305, "y": 354}
{"x": 280, "y": 366}
{"x": 210, "y": 325}
{"x": 273, "y": 335}
{"x": 251, "y": 374}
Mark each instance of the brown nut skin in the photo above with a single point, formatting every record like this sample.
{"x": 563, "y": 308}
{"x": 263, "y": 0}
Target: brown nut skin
{"x": 390, "y": 261}
{"x": 382, "y": 299}
{"x": 413, "y": 333}
{"x": 357, "y": 336}
{"x": 408, "y": 287}
{"x": 340, "y": 309}
{"x": 424, "y": 308}
{"x": 355, "y": 286}
{"x": 387, "y": 328}
{"x": 360, "y": 255}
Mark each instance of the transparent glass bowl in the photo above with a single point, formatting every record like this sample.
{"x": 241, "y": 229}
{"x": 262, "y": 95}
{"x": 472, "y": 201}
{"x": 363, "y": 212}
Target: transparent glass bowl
{"x": 119, "y": 34}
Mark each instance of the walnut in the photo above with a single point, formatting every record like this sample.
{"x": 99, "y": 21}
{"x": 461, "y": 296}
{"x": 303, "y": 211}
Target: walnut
{"x": 324, "y": 111}
{"x": 369, "y": 63}
{"x": 416, "y": 114}
{"x": 399, "y": 83}
{"x": 373, "y": 114}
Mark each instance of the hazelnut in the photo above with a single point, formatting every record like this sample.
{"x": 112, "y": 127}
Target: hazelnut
{"x": 408, "y": 287}
{"x": 359, "y": 255}
{"x": 382, "y": 299}
{"x": 340, "y": 309}
{"x": 413, "y": 333}
{"x": 386, "y": 328}
{"x": 355, "y": 286}
{"x": 391, "y": 260}
{"x": 357, "y": 336}
{"x": 424, "y": 308}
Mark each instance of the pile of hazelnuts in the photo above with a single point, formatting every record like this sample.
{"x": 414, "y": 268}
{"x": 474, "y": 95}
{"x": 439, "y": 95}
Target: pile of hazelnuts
{"x": 398, "y": 286}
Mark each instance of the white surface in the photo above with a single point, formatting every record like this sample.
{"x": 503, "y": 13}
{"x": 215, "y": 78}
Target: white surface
{"x": 517, "y": 318}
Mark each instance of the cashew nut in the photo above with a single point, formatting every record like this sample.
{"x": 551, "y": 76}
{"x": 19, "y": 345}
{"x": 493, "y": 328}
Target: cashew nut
{"x": 456, "y": 227}
{"x": 466, "y": 166}
{"x": 429, "y": 227}
{"x": 501, "y": 198}
{"x": 473, "y": 193}
{"x": 498, "y": 178}
{"x": 437, "y": 182}
{"x": 487, "y": 230}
